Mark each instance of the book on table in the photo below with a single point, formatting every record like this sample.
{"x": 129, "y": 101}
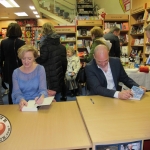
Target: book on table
{"x": 137, "y": 93}
{"x": 32, "y": 106}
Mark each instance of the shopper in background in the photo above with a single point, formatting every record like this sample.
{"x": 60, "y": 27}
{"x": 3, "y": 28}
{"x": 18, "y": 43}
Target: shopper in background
{"x": 64, "y": 65}
{"x": 1, "y": 101}
{"x": 9, "y": 60}
{"x": 72, "y": 71}
{"x": 29, "y": 80}
{"x": 147, "y": 30}
{"x": 112, "y": 36}
{"x": 52, "y": 56}
{"x": 106, "y": 31}
{"x": 3, "y": 83}
{"x": 104, "y": 73}
{"x": 96, "y": 34}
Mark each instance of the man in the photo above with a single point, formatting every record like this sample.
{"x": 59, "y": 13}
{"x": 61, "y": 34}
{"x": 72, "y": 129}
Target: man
{"x": 147, "y": 29}
{"x": 103, "y": 75}
{"x": 112, "y": 36}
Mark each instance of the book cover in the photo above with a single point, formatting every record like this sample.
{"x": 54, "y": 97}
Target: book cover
{"x": 125, "y": 26}
{"x": 33, "y": 107}
{"x": 137, "y": 93}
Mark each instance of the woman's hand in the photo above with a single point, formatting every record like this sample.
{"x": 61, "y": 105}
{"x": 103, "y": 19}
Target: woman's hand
{"x": 72, "y": 74}
{"x": 51, "y": 93}
{"x": 22, "y": 103}
{"x": 39, "y": 100}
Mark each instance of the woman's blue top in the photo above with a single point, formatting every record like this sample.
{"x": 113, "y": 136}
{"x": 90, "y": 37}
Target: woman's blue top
{"x": 28, "y": 85}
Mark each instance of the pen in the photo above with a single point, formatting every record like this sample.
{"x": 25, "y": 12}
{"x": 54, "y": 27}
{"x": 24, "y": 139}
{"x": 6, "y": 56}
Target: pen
{"x": 38, "y": 98}
{"x": 92, "y": 100}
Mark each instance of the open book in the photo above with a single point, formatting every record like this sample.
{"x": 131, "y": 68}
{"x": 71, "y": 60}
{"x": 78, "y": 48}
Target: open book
{"x": 33, "y": 107}
{"x": 137, "y": 93}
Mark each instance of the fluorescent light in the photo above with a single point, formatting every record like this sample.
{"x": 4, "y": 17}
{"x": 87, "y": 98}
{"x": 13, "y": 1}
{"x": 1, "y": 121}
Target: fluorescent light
{"x": 21, "y": 14}
{"x": 32, "y": 7}
{"x": 14, "y": 4}
{"x": 9, "y": 3}
{"x": 37, "y": 16}
{"x": 5, "y": 3}
{"x": 35, "y": 12}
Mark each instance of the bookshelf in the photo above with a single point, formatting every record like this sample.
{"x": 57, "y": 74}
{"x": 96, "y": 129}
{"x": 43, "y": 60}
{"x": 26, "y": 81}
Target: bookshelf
{"x": 138, "y": 21}
{"x": 85, "y": 7}
{"x": 122, "y": 22}
{"x": 67, "y": 35}
{"x": 147, "y": 44}
{"x": 83, "y": 36}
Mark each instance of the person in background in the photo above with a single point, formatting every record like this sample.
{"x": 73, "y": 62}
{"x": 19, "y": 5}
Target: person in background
{"x": 106, "y": 30}
{"x": 1, "y": 101}
{"x": 147, "y": 30}
{"x": 72, "y": 71}
{"x": 112, "y": 36}
{"x": 96, "y": 34}
{"x": 64, "y": 66}
{"x": 104, "y": 73}
{"x": 9, "y": 60}
{"x": 29, "y": 80}
{"x": 51, "y": 56}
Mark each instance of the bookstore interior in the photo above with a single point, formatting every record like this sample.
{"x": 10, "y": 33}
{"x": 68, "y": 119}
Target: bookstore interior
{"x": 134, "y": 45}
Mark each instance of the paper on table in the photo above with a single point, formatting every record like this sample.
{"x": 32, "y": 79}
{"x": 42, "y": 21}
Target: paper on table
{"x": 33, "y": 107}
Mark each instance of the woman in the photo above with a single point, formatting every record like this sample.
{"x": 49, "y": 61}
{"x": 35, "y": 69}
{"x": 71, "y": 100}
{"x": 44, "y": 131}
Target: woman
{"x": 29, "y": 80}
{"x": 72, "y": 70}
{"x": 96, "y": 34}
{"x": 8, "y": 54}
{"x": 52, "y": 56}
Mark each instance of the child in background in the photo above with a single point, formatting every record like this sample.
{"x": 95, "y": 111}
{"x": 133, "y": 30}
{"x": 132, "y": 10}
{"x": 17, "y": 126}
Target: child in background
{"x": 72, "y": 70}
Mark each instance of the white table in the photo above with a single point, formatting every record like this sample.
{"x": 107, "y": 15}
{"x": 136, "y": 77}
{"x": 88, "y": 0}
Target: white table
{"x": 141, "y": 78}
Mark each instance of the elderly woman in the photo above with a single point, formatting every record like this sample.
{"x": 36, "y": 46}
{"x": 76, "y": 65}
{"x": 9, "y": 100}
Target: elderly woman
{"x": 96, "y": 35}
{"x": 53, "y": 58}
{"x": 29, "y": 80}
{"x": 72, "y": 70}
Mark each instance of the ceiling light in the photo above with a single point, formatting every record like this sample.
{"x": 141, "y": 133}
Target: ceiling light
{"x": 9, "y": 3}
{"x": 37, "y": 16}
{"x": 35, "y": 12}
{"x": 32, "y": 7}
{"x": 21, "y": 14}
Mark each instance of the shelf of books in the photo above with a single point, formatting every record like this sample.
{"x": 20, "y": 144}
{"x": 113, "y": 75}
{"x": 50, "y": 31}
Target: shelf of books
{"x": 67, "y": 35}
{"x": 122, "y": 22}
{"x": 147, "y": 44}
{"x": 85, "y": 7}
{"x": 137, "y": 37}
{"x": 83, "y": 36}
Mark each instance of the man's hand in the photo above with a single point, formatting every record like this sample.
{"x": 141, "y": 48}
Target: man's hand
{"x": 144, "y": 88}
{"x": 125, "y": 94}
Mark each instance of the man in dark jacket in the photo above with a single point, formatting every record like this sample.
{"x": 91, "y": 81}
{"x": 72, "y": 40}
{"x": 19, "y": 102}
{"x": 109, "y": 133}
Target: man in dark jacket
{"x": 52, "y": 57}
{"x": 112, "y": 36}
{"x": 104, "y": 73}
